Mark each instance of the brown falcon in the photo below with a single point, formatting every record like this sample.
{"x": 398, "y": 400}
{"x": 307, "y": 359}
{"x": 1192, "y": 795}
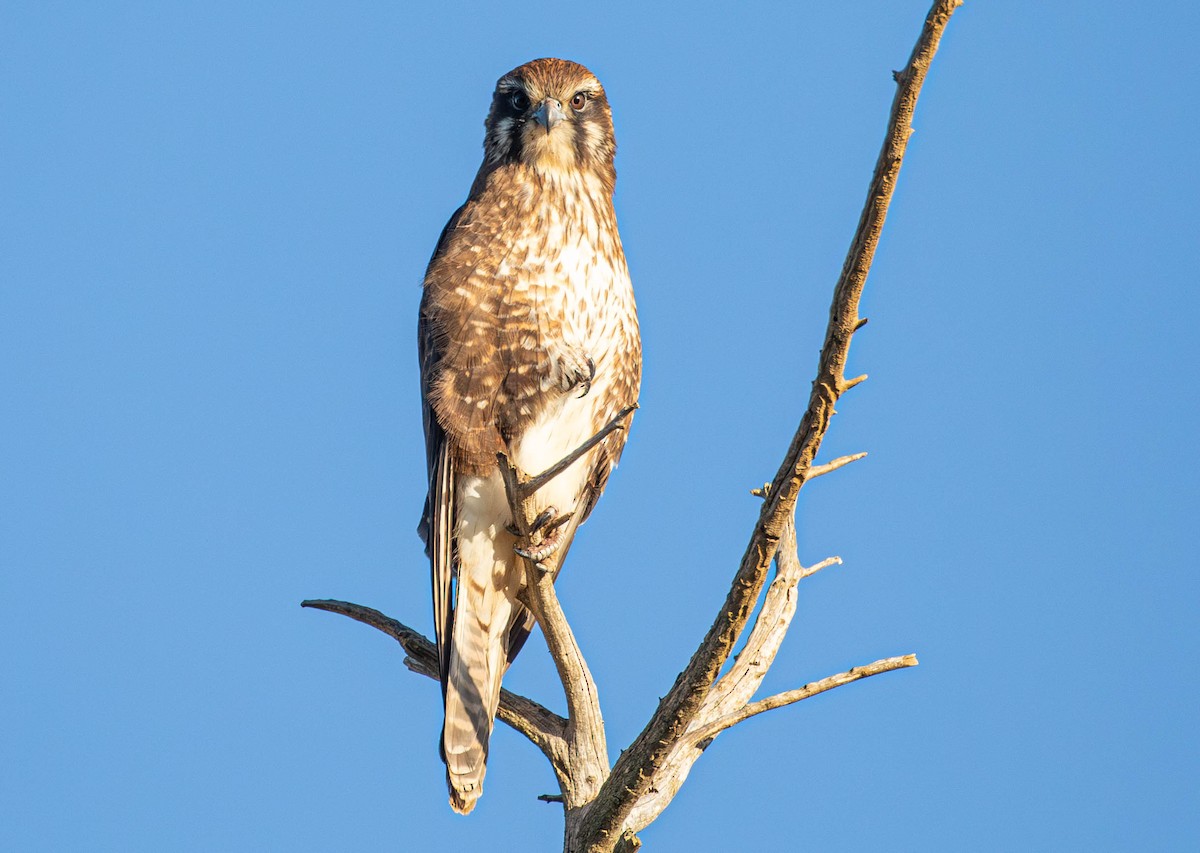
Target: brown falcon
{"x": 529, "y": 345}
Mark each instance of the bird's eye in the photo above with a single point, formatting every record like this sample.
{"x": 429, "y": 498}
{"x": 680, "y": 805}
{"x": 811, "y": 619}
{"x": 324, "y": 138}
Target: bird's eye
{"x": 519, "y": 101}
{"x": 579, "y": 101}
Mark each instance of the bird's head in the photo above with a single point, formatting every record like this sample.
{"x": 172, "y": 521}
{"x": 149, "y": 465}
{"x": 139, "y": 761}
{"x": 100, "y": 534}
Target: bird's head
{"x": 552, "y": 116}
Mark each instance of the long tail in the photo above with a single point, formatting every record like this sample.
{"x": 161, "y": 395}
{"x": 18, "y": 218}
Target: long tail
{"x": 478, "y": 659}
{"x": 489, "y": 627}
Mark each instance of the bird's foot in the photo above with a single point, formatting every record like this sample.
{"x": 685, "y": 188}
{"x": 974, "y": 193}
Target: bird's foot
{"x": 576, "y": 370}
{"x": 549, "y": 524}
{"x": 586, "y": 384}
{"x": 541, "y": 551}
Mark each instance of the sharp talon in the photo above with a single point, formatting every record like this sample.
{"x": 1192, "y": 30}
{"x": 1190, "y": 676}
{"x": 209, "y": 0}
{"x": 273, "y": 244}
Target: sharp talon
{"x": 543, "y": 518}
{"x": 587, "y": 383}
{"x": 512, "y": 528}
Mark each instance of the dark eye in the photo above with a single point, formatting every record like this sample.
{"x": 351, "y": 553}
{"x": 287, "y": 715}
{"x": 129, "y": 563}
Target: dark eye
{"x": 579, "y": 101}
{"x": 519, "y": 101}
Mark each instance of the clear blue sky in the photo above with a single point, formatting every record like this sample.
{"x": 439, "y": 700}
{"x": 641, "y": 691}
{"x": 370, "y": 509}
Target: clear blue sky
{"x": 214, "y": 218}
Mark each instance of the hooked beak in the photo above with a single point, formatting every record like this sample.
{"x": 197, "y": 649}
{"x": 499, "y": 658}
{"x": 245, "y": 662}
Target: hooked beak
{"x": 549, "y": 113}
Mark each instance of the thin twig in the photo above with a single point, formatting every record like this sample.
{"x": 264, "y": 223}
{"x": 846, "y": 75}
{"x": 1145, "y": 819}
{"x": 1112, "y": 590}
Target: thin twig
{"x": 815, "y": 471}
{"x": 829, "y": 467}
{"x": 792, "y": 696}
{"x": 847, "y": 384}
{"x": 530, "y": 486}
{"x": 809, "y": 571}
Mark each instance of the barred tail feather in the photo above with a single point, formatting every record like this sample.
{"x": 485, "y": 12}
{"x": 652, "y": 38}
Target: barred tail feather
{"x": 478, "y": 660}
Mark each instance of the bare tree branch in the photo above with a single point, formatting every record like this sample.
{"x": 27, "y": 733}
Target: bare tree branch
{"x": 544, "y": 728}
{"x": 741, "y": 682}
{"x": 816, "y": 471}
{"x": 829, "y": 467}
{"x": 706, "y": 734}
{"x": 675, "y": 769}
{"x": 809, "y": 571}
{"x": 530, "y": 486}
{"x": 734, "y": 689}
{"x": 587, "y": 749}
{"x": 636, "y": 768}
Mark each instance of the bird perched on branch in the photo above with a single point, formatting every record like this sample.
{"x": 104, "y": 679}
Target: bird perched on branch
{"x": 529, "y": 345}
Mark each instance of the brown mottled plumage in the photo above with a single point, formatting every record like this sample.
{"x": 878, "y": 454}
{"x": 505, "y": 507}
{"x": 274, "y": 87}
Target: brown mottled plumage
{"x": 529, "y": 343}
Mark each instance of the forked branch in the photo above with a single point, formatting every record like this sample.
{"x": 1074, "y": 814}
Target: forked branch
{"x": 635, "y": 770}
{"x": 586, "y": 747}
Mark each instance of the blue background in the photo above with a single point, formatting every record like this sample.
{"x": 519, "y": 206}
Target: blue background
{"x": 214, "y": 221}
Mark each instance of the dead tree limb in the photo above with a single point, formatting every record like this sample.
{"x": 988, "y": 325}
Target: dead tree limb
{"x": 637, "y": 767}
{"x": 605, "y": 808}
{"x": 586, "y": 747}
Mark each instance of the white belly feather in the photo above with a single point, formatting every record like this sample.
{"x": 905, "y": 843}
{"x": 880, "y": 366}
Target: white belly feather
{"x": 483, "y": 511}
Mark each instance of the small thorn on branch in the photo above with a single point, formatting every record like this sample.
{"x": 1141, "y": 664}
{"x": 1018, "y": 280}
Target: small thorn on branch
{"x": 847, "y": 384}
{"x": 828, "y": 467}
{"x": 629, "y": 843}
{"x": 814, "y": 472}
{"x": 808, "y": 571}
{"x": 551, "y": 798}
{"x": 761, "y": 492}
{"x": 862, "y": 321}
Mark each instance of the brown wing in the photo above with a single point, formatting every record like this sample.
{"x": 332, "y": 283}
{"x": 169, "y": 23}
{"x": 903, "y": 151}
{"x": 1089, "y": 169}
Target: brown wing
{"x": 437, "y": 521}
